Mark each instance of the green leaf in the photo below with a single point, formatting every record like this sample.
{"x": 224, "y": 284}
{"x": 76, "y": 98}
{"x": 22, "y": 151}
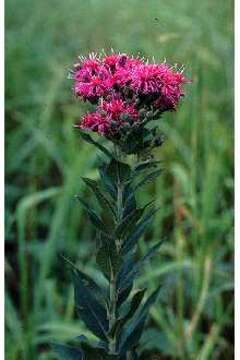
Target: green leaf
{"x": 131, "y": 337}
{"x": 89, "y": 309}
{"x": 155, "y": 339}
{"x": 148, "y": 178}
{"x": 118, "y": 172}
{"x": 68, "y": 352}
{"x": 126, "y": 267}
{"x": 90, "y": 140}
{"x": 95, "y": 289}
{"x": 138, "y": 231}
{"x": 127, "y": 277}
{"x": 133, "y": 331}
{"x": 107, "y": 257}
{"x": 93, "y": 217}
{"x": 128, "y": 222}
{"x": 129, "y": 201}
{"x": 123, "y": 288}
{"x": 103, "y": 200}
{"x": 123, "y": 294}
{"x": 109, "y": 186}
{"x": 152, "y": 251}
{"x": 93, "y": 353}
{"x": 135, "y": 303}
{"x": 146, "y": 165}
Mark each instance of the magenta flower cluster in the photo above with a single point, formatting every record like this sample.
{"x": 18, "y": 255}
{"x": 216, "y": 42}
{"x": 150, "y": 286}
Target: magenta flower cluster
{"x": 123, "y": 88}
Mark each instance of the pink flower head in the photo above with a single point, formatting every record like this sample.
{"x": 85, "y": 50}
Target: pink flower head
{"x": 115, "y": 108}
{"x": 147, "y": 78}
{"x": 171, "y": 91}
{"x": 91, "y": 79}
{"x": 92, "y": 88}
{"x": 115, "y": 62}
{"x": 122, "y": 88}
{"x": 112, "y": 62}
{"x": 158, "y": 80}
{"x": 86, "y": 69}
{"x": 119, "y": 67}
{"x": 94, "y": 122}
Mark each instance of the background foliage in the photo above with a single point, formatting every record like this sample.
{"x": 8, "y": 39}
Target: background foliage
{"x": 45, "y": 160}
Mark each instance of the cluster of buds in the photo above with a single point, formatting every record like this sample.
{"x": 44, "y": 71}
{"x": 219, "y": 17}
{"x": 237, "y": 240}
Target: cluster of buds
{"x": 127, "y": 93}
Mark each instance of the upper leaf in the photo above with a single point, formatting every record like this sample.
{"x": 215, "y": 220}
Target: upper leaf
{"x": 93, "y": 217}
{"x": 90, "y": 140}
{"x": 148, "y": 178}
{"x": 128, "y": 222}
{"x": 104, "y": 202}
{"x": 107, "y": 182}
{"x": 138, "y": 231}
{"x": 107, "y": 257}
{"x": 146, "y": 165}
{"x": 129, "y": 201}
{"x": 126, "y": 268}
{"x": 118, "y": 172}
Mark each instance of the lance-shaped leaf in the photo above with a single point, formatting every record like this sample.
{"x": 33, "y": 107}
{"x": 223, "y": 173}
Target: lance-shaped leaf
{"x": 126, "y": 278}
{"x": 152, "y": 251}
{"x": 95, "y": 289}
{"x": 146, "y": 165}
{"x": 104, "y": 202}
{"x": 129, "y": 201}
{"x": 133, "y": 331}
{"x": 90, "y": 140}
{"x": 126, "y": 267}
{"x": 134, "y": 304}
{"x": 93, "y": 217}
{"x": 138, "y": 231}
{"x": 107, "y": 257}
{"x": 109, "y": 186}
{"x": 93, "y": 352}
{"x": 123, "y": 294}
{"x": 128, "y": 222}
{"x": 66, "y": 352}
{"x": 118, "y": 172}
{"x": 148, "y": 178}
{"x": 93, "y": 314}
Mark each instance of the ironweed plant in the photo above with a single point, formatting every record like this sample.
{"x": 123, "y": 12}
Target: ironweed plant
{"x": 129, "y": 95}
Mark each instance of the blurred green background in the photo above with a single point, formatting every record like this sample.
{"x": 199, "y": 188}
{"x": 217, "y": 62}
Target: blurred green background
{"x": 45, "y": 160}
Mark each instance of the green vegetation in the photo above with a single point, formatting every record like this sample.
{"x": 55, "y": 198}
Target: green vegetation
{"x": 45, "y": 160}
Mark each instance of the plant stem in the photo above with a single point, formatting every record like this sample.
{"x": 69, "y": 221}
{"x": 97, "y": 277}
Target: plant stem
{"x": 112, "y": 312}
{"x": 112, "y": 282}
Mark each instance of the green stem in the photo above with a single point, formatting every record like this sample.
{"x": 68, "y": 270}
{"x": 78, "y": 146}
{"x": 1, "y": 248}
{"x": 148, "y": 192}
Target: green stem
{"x": 112, "y": 282}
{"x": 112, "y": 312}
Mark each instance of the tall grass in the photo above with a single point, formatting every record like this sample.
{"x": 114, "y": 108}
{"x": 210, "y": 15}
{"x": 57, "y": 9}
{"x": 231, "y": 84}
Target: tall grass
{"x": 45, "y": 160}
